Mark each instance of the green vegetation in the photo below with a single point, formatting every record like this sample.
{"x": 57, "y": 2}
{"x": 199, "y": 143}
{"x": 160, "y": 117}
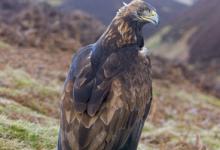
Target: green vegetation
{"x": 54, "y": 2}
{"x": 182, "y": 118}
{"x": 188, "y": 118}
{"x": 4, "y": 45}
{"x": 21, "y": 133}
{"x": 19, "y": 86}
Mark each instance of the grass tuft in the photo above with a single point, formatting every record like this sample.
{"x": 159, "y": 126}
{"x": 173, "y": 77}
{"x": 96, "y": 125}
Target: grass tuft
{"x": 19, "y": 86}
{"x": 32, "y": 135}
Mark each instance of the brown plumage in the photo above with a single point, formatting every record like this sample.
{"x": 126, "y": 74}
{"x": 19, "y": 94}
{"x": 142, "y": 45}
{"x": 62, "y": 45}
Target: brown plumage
{"x": 108, "y": 91}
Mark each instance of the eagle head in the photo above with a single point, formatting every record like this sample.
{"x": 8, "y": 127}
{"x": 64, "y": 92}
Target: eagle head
{"x": 126, "y": 26}
{"x": 138, "y": 11}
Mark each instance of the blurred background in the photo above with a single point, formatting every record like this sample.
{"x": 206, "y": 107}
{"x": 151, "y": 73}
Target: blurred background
{"x": 38, "y": 38}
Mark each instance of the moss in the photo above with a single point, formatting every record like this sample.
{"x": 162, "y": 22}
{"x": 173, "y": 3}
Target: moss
{"x": 19, "y": 79}
{"x": 33, "y": 135}
{"x": 14, "y": 131}
{"x": 212, "y": 137}
{"x": 10, "y": 144}
{"x": 4, "y": 45}
{"x": 7, "y": 92}
{"x": 21, "y": 87}
{"x": 20, "y": 133}
{"x": 174, "y": 134}
{"x": 210, "y": 99}
{"x": 184, "y": 130}
{"x": 212, "y": 142}
{"x": 174, "y": 127}
{"x": 148, "y": 127}
{"x": 198, "y": 98}
{"x": 1, "y": 109}
{"x": 10, "y": 108}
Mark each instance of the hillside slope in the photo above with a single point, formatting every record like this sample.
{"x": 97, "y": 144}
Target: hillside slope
{"x": 202, "y": 24}
{"x": 182, "y": 117}
{"x": 193, "y": 38}
{"x": 33, "y": 24}
{"x": 106, "y": 10}
{"x": 31, "y": 80}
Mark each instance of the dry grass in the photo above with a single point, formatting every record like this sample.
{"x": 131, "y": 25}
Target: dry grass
{"x": 182, "y": 117}
{"x": 28, "y": 130}
{"x": 19, "y": 86}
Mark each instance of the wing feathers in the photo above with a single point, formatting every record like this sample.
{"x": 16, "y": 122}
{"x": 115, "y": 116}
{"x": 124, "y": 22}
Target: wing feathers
{"x": 105, "y": 113}
{"x": 96, "y": 100}
{"x": 92, "y": 83}
{"x": 81, "y": 96}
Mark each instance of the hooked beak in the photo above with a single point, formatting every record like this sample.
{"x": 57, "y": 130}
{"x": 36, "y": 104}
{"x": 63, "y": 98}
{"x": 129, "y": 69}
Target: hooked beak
{"x": 153, "y": 17}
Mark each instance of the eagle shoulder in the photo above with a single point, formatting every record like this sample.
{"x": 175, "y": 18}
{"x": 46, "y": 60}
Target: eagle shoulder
{"x": 91, "y": 79}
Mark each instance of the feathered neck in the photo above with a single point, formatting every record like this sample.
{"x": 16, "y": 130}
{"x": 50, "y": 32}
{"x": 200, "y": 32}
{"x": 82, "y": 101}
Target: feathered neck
{"x": 121, "y": 33}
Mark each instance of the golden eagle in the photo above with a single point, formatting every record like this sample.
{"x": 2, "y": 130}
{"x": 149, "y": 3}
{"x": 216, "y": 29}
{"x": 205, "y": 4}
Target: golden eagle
{"x": 108, "y": 90}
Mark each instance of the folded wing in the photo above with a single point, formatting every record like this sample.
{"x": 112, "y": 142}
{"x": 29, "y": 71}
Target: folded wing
{"x": 92, "y": 81}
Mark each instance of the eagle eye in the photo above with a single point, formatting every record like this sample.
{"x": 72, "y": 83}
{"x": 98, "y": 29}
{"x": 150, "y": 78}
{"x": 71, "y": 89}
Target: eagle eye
{"x": 144, "y": 10}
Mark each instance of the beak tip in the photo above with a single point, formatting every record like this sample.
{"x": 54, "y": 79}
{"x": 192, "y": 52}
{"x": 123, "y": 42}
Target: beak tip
{"x": 157, "y": 19}
{"x": 157, "y": 22}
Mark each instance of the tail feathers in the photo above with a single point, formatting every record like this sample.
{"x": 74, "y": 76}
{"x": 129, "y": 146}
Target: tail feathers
{"x": 59, "y": 142}
{"x": 133, "y": 140}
